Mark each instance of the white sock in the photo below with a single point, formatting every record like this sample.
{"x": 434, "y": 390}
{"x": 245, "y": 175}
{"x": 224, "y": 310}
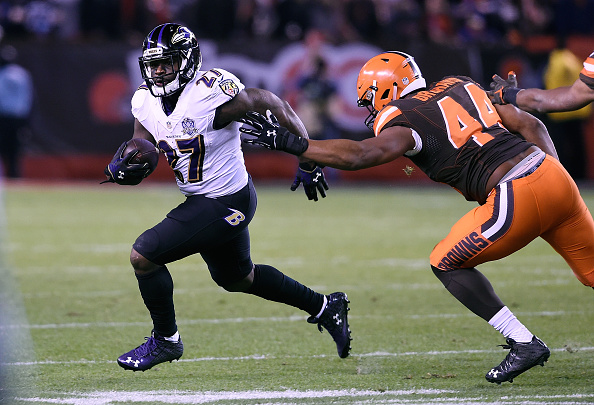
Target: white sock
{"x": 323, "y": 307}
{"x": 509, "y": 326}
{"x": 174, "y": 338}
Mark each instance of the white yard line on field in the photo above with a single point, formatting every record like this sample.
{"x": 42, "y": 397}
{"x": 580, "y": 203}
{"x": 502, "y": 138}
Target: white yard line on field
{"x": 352, "y": 396}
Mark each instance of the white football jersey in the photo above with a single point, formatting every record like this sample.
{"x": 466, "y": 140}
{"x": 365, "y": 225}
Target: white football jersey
{"x": 205, "y": 160}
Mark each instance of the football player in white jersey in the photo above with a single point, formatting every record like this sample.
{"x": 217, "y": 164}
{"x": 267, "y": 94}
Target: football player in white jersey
{"x": 191, "y": 116}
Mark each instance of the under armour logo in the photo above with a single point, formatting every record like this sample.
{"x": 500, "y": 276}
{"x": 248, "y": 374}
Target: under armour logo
{"x": 337, "y": 319}
{"x": 493, "y": 372}
{"x": 120, "y": 174}
{"x": 317, "y": 178}
{"x": 271, "y": 132}
{"x": 129, "y": 360}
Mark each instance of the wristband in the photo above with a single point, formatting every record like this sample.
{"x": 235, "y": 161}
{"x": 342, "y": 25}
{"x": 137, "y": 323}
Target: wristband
{"x": 510, "y": 95}
{"x": 291, "y": 143}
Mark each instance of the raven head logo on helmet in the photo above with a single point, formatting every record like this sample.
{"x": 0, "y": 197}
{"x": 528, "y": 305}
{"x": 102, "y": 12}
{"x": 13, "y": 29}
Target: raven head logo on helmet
{"x": 170, "y": 59}
{"x": 386, "y": 77}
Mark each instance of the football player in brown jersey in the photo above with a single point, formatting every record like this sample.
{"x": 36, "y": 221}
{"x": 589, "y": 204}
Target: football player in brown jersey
{"x": 566, "y": 98}
{"x": 453, "y": 133}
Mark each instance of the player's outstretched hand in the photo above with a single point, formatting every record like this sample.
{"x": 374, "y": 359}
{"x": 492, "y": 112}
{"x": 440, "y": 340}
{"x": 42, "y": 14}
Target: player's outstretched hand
{"x": 501, "y": 89}
{"x": 267, "y": 132}
{"x": 122, "y": 172}
{"x": 313, "y": 181}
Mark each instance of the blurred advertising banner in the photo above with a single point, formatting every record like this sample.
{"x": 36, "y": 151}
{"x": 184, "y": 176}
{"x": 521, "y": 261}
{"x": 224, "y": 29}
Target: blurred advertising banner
{"x": 83, "y": 91}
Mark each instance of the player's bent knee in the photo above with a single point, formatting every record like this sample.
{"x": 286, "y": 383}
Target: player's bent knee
{"x": 240, "y": 286}
{"x": 444, "y": 276}
{"x": 586, "y": 279}
{"x": 140, "y": 263}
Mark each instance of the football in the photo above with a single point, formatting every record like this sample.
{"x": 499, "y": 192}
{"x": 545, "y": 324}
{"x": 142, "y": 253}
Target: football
{"x": 146, "y": 152}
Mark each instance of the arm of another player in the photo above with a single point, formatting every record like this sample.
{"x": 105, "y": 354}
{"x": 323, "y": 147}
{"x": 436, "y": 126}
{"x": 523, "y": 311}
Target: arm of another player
{"x": 531, "y": 128}
{"x": 566, "y": 98}
{"x": 344, "y": 154}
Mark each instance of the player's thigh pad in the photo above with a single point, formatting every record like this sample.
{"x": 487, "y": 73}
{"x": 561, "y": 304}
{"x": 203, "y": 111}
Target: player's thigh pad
{"x": 516, "y": 212}
{"x": 573, "y": 235}
{"x": 197, "y": 224}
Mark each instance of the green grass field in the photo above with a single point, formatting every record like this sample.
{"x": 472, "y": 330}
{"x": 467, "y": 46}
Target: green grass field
{"x": 66, "y": 250}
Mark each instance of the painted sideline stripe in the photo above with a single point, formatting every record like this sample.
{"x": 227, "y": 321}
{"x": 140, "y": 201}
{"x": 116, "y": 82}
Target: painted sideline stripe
{"x": 315, "y": 356}
{"x": 409, "y": 397}
{"x": 181, "y": 397}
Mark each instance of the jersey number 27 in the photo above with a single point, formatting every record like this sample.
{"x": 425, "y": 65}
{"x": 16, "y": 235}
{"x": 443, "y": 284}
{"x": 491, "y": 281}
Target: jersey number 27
{"x": 193, "y": 146}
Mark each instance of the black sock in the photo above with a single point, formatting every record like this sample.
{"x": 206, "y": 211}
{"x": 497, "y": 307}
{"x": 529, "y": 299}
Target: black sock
{"x": 271, "y": 284}
{"x": 156, "y": 289}
{"x": 472, "y": 289}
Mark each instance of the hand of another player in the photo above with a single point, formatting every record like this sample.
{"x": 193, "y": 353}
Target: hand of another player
{"x": 499, "y": 88}
{"x": 122, "y": 172}
{"x": 313, "y": 181}
{"x": 268, "y": 133}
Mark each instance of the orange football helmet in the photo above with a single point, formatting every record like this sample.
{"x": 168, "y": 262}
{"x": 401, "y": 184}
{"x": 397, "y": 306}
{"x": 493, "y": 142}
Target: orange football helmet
{"x": 386, "y": 77}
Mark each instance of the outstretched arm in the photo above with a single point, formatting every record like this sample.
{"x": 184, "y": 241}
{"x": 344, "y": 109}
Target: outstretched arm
{"x": 344, "y": 154}
{"x": 347, "y": 154}
{"x": 567, "y": 98}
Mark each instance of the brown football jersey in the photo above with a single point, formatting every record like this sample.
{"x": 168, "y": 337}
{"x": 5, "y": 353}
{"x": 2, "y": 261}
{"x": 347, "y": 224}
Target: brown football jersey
{"x": 462, "y": 139}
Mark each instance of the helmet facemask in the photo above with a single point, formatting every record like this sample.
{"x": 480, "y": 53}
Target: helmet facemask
{"x": 163, "y": 84}
{"x": 367, "y": 100}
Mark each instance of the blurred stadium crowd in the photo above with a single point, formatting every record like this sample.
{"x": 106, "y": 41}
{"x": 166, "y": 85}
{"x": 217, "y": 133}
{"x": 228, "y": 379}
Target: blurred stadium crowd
{"x": 306, "y": 51}
{"x": 378, "y": 21}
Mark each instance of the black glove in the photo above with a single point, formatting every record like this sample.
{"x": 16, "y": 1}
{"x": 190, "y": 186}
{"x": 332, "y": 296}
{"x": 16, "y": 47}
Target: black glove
{"x": 271, "y": 135}
{"x": 504, "y": 91}
{"x": 122, "y": 172}
{"x": 313, "y": 180}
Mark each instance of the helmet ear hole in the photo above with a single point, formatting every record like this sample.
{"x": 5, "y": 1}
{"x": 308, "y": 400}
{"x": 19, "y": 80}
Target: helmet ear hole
{"x": 385, "y": 94}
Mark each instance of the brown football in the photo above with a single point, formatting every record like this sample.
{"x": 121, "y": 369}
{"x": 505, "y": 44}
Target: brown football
{"x": 147, "y": 152}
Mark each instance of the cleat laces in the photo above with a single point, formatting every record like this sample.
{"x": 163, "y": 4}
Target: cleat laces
{"x": 147, "y": 347}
